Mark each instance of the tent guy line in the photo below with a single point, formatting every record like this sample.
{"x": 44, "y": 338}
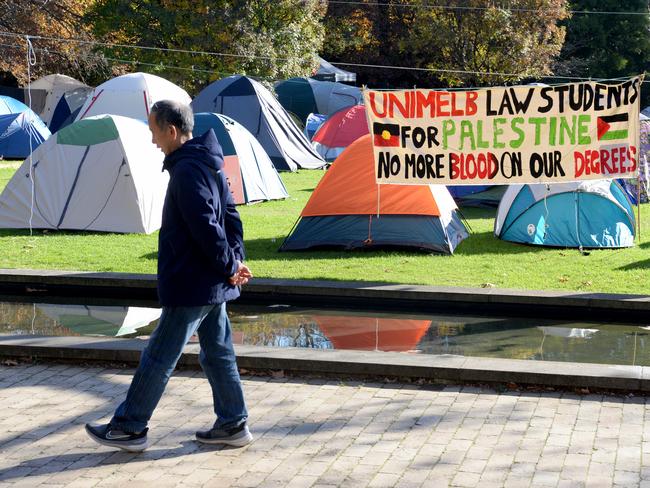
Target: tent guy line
{"x": 470, "y": 8}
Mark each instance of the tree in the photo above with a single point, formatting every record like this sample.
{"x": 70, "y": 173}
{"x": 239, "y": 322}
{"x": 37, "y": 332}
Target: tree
{"x": 58, "y": 22}
{"x": 521, "y": 39}
{"x": 606, "y": 45}
{"x": 371, "y": 33}
{"x": 273, "y": 40}
{"x": 519, "y": 42}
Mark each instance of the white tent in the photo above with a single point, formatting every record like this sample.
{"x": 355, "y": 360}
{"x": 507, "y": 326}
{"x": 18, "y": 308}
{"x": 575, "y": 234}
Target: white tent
{"x": 55, "y": 87}
{"x": 131, "y": 95}
{"x": 101, "y": 173}
{"x": 99, "y": 320}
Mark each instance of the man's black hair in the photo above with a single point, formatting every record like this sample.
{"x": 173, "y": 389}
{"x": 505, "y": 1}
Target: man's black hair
{"x": 171, "y": 112}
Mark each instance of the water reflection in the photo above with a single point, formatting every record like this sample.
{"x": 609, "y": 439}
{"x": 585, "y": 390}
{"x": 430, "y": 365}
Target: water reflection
{"x": 275, "y": 326}
{"x": 101, "y": 320}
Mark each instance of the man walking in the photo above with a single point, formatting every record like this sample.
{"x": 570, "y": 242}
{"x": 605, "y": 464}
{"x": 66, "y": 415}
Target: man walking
{"x": 200, "y": 254}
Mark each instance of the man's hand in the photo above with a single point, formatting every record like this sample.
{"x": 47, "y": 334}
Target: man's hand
{"x": 242, "y": 275}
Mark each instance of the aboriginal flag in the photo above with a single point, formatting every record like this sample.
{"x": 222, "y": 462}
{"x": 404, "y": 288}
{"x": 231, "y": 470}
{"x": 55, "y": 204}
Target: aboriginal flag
{"x": 386, "y": 135}
{"x": 612, "y": 127}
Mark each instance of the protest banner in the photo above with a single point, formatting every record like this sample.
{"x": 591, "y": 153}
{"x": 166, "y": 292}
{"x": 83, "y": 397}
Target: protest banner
{"x": 505, "y": 135}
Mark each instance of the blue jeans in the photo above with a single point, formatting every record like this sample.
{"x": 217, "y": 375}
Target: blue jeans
{"x": 217, "y": 358}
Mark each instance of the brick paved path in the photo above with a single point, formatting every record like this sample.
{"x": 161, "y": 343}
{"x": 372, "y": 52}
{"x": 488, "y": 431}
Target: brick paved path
{"x": 321, "y": 434}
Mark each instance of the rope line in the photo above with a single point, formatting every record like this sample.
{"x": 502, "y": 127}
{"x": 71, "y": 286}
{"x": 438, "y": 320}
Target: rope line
{"x": 406, "y": 68}
{"x": 470, "y": 8}
{"x": 31, "y": 61}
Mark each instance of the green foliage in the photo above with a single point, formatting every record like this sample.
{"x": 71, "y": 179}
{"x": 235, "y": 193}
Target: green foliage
{"x": 490, "y": 38}
{"x": 480, "y": 260}
{"x": 520, "y": 44}
{"x": 607, "y": 45}
{"x": 52, "y": 19}
{"x": 275, "y": 40}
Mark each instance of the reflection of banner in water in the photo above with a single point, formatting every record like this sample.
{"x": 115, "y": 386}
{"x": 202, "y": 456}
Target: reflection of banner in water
{"x": 372, "y": 334}
{"x": 520, "y": 134}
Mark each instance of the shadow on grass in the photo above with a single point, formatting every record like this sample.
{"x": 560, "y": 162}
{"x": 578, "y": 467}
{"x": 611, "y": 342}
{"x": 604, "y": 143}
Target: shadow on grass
{"x": 483, "y": 243}
{"x": 54, "y": 232}
{"x": 645, "y": 264}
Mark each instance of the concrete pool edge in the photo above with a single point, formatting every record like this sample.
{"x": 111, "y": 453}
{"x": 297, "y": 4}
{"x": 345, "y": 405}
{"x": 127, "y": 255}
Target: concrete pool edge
{"x": 456, "y": 369}
{"x": 601, "y": 306}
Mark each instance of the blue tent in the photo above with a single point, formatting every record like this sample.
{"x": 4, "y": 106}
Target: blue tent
{"x": 68, "y": 107}
{"x": 253, "y": 106}
{"x": 249, "y": 170}
{"x": 477, "y": 195}
{"x": 588, "y": 214}
{"x": 19, "y": 125}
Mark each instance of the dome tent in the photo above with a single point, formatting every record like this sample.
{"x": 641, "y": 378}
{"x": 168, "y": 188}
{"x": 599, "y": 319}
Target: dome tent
{"x": 101, "y": 173}
{"x": 339, "y": 131}
{"x": 21, "y": 130}
{"x": 253, "y": 106}
{"x": 131, "y": 95}
{"x": 55, "y": 86}
{"x": 349, "y": 209}
{"x": 591, "y": 214}
{"x": 250, "y": 173}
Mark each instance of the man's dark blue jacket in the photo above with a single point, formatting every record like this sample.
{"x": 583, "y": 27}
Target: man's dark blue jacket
{"x": 201, "y": 237}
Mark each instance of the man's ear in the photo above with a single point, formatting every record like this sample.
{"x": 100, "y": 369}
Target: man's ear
{"x": 173, "y": 131}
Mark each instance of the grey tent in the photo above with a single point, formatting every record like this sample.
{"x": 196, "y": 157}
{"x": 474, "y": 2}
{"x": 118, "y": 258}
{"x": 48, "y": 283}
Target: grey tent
{"x": 253, "y": 106}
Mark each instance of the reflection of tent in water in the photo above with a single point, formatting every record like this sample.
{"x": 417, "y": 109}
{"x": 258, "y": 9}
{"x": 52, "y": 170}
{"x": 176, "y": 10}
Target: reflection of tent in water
{"x": 100, "y": 320}
{"x": 566, "y": 332}
{"x": 571, "y": 333}
{"x": 538, "y": 339}
{"x": 302, "y": 335}
{"x": 372, "y": 334}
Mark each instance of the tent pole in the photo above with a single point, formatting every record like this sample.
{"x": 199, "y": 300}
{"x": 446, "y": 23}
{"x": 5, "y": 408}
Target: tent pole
{"x": 638, "y": 206}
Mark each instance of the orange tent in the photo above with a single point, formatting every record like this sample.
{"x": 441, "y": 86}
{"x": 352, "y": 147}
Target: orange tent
{"x": 349, "y": 209}
{"x": 372, "y": 334}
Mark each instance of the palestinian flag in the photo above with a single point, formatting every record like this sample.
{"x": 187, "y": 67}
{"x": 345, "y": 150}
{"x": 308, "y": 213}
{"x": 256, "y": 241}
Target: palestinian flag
{"x": 612, "y": 127}
{"x": 386, "y": 135}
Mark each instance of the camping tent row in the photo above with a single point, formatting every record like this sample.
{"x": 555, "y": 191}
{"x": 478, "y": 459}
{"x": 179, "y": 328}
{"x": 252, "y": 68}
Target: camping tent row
{"x": 254, "y": 107}
{"x": 244, "y": 100}
{"x": 250, "y": 171}
{"x": 102, "y": 173}
{"x": 53, "y": 98}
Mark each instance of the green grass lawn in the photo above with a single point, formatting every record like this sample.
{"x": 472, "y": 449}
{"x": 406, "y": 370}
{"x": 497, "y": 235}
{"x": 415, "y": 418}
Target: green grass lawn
{"x": 480, "y": 260}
